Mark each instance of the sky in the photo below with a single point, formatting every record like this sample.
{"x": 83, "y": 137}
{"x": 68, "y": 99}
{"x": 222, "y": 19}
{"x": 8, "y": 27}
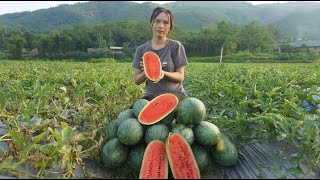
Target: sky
{"x": 19, "y": 6}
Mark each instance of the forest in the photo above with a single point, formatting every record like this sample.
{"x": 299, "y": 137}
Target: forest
{"x": 207, "y": 41}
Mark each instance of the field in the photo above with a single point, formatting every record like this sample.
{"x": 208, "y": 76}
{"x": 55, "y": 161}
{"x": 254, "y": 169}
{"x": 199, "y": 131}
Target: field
{"x": 55, "y": 112}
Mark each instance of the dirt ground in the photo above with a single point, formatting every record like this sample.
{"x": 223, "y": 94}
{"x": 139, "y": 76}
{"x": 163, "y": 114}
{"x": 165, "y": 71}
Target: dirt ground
{"x": 215, "y": 174}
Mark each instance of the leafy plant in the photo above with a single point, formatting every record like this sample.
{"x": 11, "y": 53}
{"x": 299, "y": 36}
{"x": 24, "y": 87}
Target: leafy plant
{"x": 55, "y": 112}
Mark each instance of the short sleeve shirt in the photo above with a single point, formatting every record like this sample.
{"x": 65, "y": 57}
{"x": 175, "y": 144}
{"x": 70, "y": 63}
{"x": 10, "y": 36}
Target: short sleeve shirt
{"x": 172, "y": 56}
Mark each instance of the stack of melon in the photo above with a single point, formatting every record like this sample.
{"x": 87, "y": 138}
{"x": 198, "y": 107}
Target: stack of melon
{"x": 165, "y": 136}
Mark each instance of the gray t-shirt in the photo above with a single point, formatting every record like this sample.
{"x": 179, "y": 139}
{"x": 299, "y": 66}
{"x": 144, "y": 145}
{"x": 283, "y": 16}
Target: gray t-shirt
{"x": 172, "y": 56}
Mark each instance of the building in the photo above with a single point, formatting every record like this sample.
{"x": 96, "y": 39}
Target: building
{"x": 96, "y": 49}
{"x": 34, "y": 51}
{"x": 116, "y": 49}
{"x": 313, "y": 45}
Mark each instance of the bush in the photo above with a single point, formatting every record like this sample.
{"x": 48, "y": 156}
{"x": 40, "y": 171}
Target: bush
{"x": 101, "y": 60}
{"x": 83, "y": 56}
{"x": 245, "y": 56}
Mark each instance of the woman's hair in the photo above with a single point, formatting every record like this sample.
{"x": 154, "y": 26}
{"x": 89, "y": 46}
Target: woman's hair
{"x": 159, "y": 10}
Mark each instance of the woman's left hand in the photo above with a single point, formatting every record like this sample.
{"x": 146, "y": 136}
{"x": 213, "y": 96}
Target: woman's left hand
{"x": 161, "y": 76}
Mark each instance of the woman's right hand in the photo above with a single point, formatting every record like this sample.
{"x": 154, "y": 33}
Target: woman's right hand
{"x": 141, "y": 64}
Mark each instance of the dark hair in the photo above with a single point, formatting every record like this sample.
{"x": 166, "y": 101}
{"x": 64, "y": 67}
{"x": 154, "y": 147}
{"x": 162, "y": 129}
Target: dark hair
{"x": 159, "y": 10}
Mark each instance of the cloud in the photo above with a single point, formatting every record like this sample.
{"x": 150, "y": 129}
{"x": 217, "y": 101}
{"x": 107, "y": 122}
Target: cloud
{"x": 265, "y": 2}
{"x": 19, "y": 6}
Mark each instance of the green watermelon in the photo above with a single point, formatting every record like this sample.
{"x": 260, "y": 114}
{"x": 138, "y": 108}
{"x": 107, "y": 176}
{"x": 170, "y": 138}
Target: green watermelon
{"x": 156, "y": 131}
{"x": 206, "y": 133}
{"x": 114, "y": 154}
{"x": 126, "y": 114}
{"x": 169, "y": 118}
{"x": 111, "y": 129}
{"x": 130, "y": 132}
{"x": 135, "y": 156}
{"x": 203, "y": 158}
{"x": 138, "y": 106}
{"x": 184, "y": 131}
{"x": 191, "y": 111}
{"x": 224, "y": 152}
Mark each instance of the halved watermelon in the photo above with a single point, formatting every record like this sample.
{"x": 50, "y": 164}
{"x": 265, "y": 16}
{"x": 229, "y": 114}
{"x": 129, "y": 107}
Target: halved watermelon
{"x": 152, "y": 66}
{"x": 158, "y": 108}
{"x": 182, "y": 162}
{"x": 155, "y": 162}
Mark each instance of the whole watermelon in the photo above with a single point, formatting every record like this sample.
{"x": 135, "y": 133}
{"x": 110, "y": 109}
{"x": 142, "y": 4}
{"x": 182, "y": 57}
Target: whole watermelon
{"x": 135, "y": 156}
{"x": 156, "y": 131}
{"x": 130, "y": 132}
{"x": 126, "y": 114}
{"x": 224, "y": 152}
{"x": 203, "y": 158}
{"x": 190, "y": 111}
{"x": 111, "y": 129}
{"x": 114, "y": 153}
{"x": 184, "y": 131}
{"x": 206, "y": 133}
{"x": 138, "y": 106}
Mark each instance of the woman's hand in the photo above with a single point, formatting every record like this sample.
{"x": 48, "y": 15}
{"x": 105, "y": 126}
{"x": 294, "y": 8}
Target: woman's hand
{"x": 177, "y": 76}
{"x": 139, "y": 76}
{"x": 141, "y": 64}
{"x": 161, "y": 76}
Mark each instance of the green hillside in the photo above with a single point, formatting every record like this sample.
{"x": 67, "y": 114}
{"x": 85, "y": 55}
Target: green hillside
{"x": 294, "y": 18}
{"x": 309, "y": 24}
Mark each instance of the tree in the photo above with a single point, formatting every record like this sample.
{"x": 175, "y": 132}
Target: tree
{"x": 15, "y": 45}
{"x": 81, "y": 38}
{"x": 255, "y": 39}
{"x": 225, "y": 37}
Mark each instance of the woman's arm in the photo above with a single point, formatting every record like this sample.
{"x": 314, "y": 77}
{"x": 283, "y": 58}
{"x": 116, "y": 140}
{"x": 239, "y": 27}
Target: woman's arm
{"x": 177, "y": 76}
{"x": 139, "y": 76}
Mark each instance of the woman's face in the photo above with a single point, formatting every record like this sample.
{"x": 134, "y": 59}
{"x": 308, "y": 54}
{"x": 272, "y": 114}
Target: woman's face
{"x": 161, "y": 25}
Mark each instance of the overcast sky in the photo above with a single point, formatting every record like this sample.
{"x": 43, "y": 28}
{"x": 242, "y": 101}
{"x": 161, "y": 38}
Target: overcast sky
{"x": 19, "y": 6}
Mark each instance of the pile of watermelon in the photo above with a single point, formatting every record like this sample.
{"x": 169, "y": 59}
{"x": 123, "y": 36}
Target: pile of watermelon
{"x": 166, "y": 137}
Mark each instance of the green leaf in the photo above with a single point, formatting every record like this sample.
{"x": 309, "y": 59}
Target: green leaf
{"x": 281, "y": 136}
{"x": 295, "y": 158}
{"x": 8, "y": 160}
{"x": 40, "y": 164}
{"x": 55, "y": 134}
{"x": 296, "y": 170}
{"x": 18, "y": 137}
{"x": 74, "y": 83}
{"x": 79, "y": 137}
{"x": 64, "y": 89}
{"x": 39, "y": 137}
{"x": 66, "y": 132}
{"x": 65, "y": 151}
{"x": 49, "y": 148}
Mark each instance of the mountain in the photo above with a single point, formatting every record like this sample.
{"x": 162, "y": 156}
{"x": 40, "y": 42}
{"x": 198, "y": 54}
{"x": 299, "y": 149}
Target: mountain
{"x": 297, "y": 19}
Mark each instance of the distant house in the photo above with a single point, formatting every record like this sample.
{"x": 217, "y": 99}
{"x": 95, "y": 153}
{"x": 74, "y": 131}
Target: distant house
{"x": 116, "y": 49}
{"x": 312, "y": 45}
{"x": 110, "y": 49}
{"x": 91, "y": 50}
{"x": 96, "y": 49}
{"x": 24, "y": 51}
{"x": 277, "y": 50}
{"x": 34, "y": 51}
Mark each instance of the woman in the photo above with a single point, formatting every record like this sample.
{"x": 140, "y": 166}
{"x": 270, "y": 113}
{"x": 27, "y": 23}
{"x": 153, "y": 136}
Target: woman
{"x": 171, "y": 53}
